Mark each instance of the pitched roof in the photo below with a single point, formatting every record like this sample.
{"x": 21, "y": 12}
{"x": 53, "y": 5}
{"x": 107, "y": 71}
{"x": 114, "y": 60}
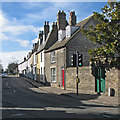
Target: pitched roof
{"x": 46, "y": 44}
{"x": 61, "y": 44}
{"x": 84, "y": 21}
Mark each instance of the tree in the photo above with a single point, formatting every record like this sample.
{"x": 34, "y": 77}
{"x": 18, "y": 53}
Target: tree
{"x": 1, "y": 68}
{"x": 107, "y": 35}
{"x": 12, "y": 67}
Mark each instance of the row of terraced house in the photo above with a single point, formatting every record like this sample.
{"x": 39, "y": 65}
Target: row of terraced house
{"x": 49, "y": 61}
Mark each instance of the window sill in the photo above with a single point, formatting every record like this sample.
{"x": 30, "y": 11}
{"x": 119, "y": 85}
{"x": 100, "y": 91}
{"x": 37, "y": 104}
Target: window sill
{"x": 54, "y": 82}
{"x": 52, "y": 62}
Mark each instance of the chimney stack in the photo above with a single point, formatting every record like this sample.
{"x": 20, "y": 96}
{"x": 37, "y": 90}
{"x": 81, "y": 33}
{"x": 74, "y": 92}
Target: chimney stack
{"x": 54, "y": 25}
{"x": 61, "y": 20}
{"x": 40, "y": 36}
{"x": 72, "y": 19}
{"x": 24, "y": 58}
{"x": 46, "y": 29}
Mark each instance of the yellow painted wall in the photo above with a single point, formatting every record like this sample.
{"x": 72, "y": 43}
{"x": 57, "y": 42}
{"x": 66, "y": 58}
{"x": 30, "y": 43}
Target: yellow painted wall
{"x": 38, "y": 66}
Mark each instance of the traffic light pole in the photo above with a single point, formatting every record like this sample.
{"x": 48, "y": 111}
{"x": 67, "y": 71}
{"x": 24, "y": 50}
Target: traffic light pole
{"x": 77, "y": 72}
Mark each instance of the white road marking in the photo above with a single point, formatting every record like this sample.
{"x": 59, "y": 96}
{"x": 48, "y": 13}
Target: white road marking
{"x": 11, "y": 108}
{"x": 17, "y": 114}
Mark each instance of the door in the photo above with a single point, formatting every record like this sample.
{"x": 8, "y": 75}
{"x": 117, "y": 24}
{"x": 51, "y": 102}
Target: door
{"x": 100, "y": 80}
{"x": 62, "y": 77}
{"x": 39, "y": 75}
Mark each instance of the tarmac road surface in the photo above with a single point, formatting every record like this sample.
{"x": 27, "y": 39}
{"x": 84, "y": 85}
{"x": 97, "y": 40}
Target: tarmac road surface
{"x": 22, "y": 100}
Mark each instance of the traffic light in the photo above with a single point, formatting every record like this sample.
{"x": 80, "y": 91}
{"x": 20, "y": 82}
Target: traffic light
{"x": 73, "y": 60}
{"x": 80, "y": 60}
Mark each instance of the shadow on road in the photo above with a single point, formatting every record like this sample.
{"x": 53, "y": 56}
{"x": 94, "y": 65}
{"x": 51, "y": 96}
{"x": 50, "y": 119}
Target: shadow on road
{"x": 47, "y": 105}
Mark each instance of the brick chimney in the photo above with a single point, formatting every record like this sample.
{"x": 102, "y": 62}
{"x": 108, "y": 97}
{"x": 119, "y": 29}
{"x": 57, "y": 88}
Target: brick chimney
{"x": 46, "y": 29}
{"x": 61, "y": 20}
{"x": 72, "y": 19}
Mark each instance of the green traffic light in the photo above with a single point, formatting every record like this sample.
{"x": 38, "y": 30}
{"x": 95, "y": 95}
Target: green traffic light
{"x": 80, "y": 64}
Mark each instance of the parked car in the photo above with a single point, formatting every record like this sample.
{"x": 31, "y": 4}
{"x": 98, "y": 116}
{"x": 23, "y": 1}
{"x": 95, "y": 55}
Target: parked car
{"x": 4, "y": 75}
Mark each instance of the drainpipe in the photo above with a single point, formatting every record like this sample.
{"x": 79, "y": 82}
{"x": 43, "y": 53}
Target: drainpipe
{"x": 64, "y": 68}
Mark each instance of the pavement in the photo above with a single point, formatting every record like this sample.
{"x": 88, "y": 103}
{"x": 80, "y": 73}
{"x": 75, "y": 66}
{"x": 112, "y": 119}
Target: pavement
{"x": 83, "y": 95}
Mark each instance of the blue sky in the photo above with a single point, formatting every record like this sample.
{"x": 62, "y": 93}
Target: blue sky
{"x": 21, "y": 22}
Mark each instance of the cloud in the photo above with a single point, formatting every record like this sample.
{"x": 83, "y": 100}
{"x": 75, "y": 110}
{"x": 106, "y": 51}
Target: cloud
{"x": 35, "y": 40}
{"x": 23, "y": 43}
{"x": 13, "y": 30}
{"x": 3, "y": 20}
{"x": 8, "y": 57}
{"x": 3, "y": 36}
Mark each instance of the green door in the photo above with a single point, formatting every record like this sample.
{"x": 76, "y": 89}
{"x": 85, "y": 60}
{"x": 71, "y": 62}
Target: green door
{"x": 102, "y": 78}
{"x": 98, "y": 74}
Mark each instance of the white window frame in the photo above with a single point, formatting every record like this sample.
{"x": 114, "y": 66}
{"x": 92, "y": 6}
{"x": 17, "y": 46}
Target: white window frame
{"x": 53, "y": 75}
{"x": 41, "y": 57}
{"x": 53, "y": 57}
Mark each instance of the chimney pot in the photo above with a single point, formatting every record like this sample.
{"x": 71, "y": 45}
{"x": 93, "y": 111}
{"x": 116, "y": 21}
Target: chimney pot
{"x": 72, "y": 19}
{"x": 59, "y": 11}
{"x": 53, "y": 23}
{"x": 47, "y": 22}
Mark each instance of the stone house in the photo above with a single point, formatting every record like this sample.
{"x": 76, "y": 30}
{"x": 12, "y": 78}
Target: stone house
{"x": 59, "y": 72}
{"x": 70, "y": 39}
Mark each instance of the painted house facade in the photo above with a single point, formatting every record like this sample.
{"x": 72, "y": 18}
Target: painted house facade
{"x": 46, "y": 40}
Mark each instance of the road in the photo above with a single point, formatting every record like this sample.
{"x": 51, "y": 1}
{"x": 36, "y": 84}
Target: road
{"x": 22, "y": 100}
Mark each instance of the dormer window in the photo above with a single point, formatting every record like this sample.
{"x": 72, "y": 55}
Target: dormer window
{"x": 61, "y": 34}
{"x": 70, "y": 30}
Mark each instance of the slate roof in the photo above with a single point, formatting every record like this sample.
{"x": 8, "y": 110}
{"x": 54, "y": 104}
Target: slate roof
{"x": 61, "y": 44}
{"x": 47, "y": 43}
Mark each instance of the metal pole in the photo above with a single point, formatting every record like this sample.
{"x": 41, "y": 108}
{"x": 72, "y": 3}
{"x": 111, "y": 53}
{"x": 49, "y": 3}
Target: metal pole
{"x": 65, "y": 69}
{"x": 77, "y": 72}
